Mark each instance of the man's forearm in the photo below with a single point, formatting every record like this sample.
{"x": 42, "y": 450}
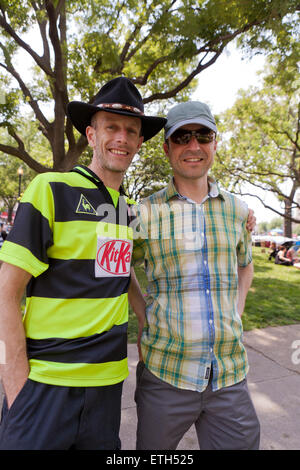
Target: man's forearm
{"x": 136, "y": 298}
{"x": 14, "y": 369}
{"x": 138, "y": 305}
{"x": 245, "y": 277}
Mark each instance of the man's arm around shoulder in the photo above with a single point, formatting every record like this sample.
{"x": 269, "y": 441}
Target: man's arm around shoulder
{"x": 15, "y": 370}
{"x": 245, "y": 277}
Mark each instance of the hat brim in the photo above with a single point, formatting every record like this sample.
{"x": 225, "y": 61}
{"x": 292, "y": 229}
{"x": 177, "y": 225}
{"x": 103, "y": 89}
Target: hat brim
{"x": 81, "y": 115}
{"x": 201, "y": 121}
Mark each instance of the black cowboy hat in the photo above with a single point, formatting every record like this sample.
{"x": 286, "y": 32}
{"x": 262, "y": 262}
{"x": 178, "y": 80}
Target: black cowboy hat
{"x": 119, "y": 96}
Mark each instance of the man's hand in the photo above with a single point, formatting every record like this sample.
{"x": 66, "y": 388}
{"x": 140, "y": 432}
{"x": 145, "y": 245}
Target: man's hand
{"x": 15, "y": 388}
{"x": 251, "y": 221}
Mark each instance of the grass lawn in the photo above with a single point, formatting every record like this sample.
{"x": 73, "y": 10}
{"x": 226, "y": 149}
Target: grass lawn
{"x": 273, "y": 299}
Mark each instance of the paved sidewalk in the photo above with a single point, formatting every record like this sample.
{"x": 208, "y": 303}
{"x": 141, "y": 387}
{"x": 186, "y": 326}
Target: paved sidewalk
{"x": 274, "y": 384}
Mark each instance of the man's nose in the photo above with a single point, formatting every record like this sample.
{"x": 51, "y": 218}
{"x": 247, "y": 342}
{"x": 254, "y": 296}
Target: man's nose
{"x": 193, "y": 143}
{"x": 122, "y": 135}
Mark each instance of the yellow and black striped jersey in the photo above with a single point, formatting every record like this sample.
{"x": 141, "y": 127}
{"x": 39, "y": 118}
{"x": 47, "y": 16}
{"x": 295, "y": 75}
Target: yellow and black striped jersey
{"x": 72, "y": 234}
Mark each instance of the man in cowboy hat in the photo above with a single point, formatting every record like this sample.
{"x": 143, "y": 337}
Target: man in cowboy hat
{"x": 67, "y": 360}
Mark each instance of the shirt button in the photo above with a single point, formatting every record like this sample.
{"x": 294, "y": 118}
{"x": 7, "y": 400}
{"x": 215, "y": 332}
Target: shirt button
{"x": 205, "y": 262}
{"x": 207, "y": 291}
{"x": 210, "y": 322}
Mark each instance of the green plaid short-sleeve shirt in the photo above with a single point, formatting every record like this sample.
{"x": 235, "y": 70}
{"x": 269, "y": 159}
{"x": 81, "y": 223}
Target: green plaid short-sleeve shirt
{"x": 191, "y": 253}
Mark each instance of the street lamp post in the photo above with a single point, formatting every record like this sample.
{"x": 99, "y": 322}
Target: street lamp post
{"x": 20, "y": 173}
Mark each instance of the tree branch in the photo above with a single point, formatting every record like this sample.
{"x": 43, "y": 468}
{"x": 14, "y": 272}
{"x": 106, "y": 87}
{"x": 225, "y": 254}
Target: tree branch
{"x": 117, "y": 14}
{"x": 21, "y": 153}
{"x": 40, "y": 61}
{"x": 248, "y": 173}
{"x": 267, "y": 206}
{"x": 209, "y": 47}
{"x": 43, "y": 33}
{"x": 145, "y": 39}
{"x": 276, "y": 190}
{"x": 59, "y": 88}
{"x": 129, "y": 41}
{"x": 184, "y": 83}
{"x": 31, "y": 101}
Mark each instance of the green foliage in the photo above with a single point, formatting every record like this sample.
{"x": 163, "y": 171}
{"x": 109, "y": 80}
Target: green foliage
{"x": 73, "y": 47}
{"x": 10, "y": 184}
{"x": 260, "y": 137}
{"x": 267, "y": 226}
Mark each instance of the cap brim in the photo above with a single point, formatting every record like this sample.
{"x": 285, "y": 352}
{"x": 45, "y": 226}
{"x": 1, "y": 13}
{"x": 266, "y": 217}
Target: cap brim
{"x": 81, "y": 115}
{"x": 202, "y": 122}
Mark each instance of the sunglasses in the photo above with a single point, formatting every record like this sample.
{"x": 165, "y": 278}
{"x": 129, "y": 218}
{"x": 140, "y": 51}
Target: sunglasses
{"x": 184, "y": 136}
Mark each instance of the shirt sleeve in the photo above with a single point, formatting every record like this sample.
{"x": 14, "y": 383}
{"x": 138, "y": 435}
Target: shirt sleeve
{"x": 32, "y": 233}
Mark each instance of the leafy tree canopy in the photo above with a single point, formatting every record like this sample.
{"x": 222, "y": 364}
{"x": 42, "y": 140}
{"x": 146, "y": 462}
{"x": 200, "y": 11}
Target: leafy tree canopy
{"x": 260, "y": 143}
{"x": 73, "y": 47}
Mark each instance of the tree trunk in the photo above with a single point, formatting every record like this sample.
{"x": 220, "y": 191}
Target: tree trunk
{"x": 287, "y": 218}
{"x": 10, "y": 210}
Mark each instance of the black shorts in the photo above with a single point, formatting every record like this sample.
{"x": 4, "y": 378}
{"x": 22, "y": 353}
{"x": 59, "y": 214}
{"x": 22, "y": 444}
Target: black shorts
{"x": 49, "y": 417}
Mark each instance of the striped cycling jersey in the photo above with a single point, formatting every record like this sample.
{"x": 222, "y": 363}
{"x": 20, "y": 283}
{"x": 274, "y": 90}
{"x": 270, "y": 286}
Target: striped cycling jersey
{"x": 72, "y": 234}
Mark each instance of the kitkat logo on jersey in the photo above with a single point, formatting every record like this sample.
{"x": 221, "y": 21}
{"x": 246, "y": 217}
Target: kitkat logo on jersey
{"x": 114, "y": 257}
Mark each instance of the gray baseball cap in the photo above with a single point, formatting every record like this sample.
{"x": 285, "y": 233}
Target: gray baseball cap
{"x": 191, "y": 112}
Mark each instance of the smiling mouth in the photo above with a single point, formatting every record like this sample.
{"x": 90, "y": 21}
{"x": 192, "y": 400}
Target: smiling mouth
{"x": 193, "y": 160}
{"x": 122, "y": 153}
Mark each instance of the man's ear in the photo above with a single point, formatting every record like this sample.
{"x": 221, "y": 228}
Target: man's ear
{"x": 140, "y": 142}
{"x": 90, "y": 135}
{"x": 166, "y": 148}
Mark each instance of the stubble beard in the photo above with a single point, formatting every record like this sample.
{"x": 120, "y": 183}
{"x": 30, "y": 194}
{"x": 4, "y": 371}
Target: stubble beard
{"x": 108, "y": 165}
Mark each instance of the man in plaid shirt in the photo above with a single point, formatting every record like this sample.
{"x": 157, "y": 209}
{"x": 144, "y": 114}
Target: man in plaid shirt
{"x": 197, "y": 252}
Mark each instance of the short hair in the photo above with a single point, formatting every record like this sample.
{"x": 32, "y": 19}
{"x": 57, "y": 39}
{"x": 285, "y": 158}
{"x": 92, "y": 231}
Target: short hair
{"x": 94, "y": 121}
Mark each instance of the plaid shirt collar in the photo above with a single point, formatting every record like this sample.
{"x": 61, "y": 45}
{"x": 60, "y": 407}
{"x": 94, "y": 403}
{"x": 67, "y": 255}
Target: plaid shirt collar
{"x": 214, "y": 191}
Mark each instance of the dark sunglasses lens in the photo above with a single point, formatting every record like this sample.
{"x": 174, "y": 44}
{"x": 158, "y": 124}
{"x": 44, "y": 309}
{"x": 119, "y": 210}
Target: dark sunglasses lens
{"x": 183, "y": 137}
{"x": 205, "y": 138}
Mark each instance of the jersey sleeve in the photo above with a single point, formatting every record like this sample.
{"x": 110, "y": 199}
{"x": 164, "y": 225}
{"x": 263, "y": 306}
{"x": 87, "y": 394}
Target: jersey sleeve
{"x": 32, "y": 233}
